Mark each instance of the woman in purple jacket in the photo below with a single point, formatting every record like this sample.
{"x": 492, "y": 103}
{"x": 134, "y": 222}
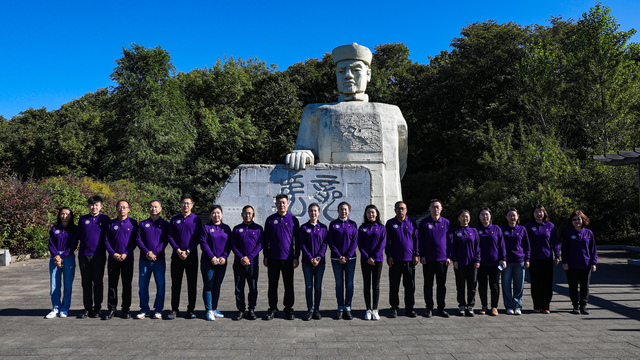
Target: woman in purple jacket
{"x": 493, "y": 258}
{"x": 215, "y": 245}
{"x": 372, "y": 239}
{"x": 579, "y": 259}
{"x": 544, "y": 249}
{"x": 313, "y": 245}
{"x": 62, "y": 266}
{"x": 466, "y": 261}
{"x": 516, "y": 244}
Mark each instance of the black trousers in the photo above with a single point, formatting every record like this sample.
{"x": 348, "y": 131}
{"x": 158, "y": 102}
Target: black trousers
{"x": 406, "y": 271}
{"x": 489, "y": 275}
{"x": 436, "y": 269}
{"x": 117, "y": 270}
{"x": 274, "y": 268}
{"x": 248, "y": 274}
{"x": 466, "y": 275}
{"x": 581, "y": 277}
{"x": 92, "y": 273}
{"x": 541, "y": 274}
{"x": 371, "y": 275}
{"x": 178, "y": 267}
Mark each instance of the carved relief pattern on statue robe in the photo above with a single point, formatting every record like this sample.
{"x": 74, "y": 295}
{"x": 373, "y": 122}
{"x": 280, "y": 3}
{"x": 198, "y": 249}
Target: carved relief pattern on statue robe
{"x": 356, "y": 133}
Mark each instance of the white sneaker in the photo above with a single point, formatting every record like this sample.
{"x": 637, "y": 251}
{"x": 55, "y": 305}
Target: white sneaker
{"x": 52, "y": 314}
{"x": 367, "y": 315}
{"x": 141, "y": 315}
{"x": 157, "y": 315}
{"x": 210, "y": 315}
{"x": 509, "y": 311}
{"x": 63, "y": 314}
{"x": 217, "y": 313}
{"x": 375, "y": 315}
{"x": 518, "y": 312}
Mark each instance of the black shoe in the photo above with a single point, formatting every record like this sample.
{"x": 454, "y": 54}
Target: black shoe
{"x": 469, "y": 312}
{"x": 110, "y": 314}
{"x": 270, "y": 315}
{"x": 173, "y": 314}
{"x": 584, "y": 311}
{"x": 411, "y": 313}
{"x": 126, "y": 315}
{"x": 429, "y": 313}
{"x": 288, "y": 315}
{"x": 443, "y": 314}
{"x": 239, "y": 316}
{"x": 338, "y": 315}
{"x": 95, "y": 314}
{"x": 316, "y": 315}
{"x": 251, "y": 315}
{"x": 190, "y": 315}
{"x": 309, "y": 316}
{"x": 83, "y": 315}
{"x": 347, "y": 315}
{"x": 394, "y": 313}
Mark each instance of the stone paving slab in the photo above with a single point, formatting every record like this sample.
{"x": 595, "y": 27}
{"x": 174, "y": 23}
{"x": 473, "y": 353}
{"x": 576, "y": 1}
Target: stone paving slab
{"x": 612, "y": 331}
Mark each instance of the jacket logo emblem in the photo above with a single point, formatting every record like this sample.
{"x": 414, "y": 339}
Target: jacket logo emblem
{"x": 115, "y": 227}
{"x": 57, "y": 231}
{"x": 147, "y": 225}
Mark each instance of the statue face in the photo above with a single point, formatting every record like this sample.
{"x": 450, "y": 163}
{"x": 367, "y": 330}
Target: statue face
{"x": 352, "y": 76}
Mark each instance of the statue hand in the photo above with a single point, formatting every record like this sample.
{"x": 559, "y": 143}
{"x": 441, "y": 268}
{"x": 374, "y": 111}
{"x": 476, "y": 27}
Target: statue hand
{"x": 298, "y": 159}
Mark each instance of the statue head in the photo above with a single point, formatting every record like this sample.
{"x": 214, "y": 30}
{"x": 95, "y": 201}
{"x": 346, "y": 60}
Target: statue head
{"x": 352, "y": 71}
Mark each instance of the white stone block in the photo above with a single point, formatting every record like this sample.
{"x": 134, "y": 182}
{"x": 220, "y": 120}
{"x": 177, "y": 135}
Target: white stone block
{"x": 5, "y": 257}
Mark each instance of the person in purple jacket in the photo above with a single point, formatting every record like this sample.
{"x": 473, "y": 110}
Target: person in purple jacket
{"x": 62, "y": 266}
{"x": 372, "y": 239}
{"x": 246, "y": 243}
{"x": 435, "y": 246}
{"x": 402, "y": 257}
{"x": 579, "y": 259}
{"x": 545, "y": 253}
{"x": 184, "y": 234}
{"x": 493, "y": 257}
{"x": 152, "y": 239}
{"x": 343, "y": 240}
{"x": 466, "y": 261}
{"x": 215, "y": 245}
{"x": 516, "y": 242}
{"x": 120, "y": 241}
{"x": 281, "y": 255}
{"x": 92, "y": 257}
{"x": 313, "y": 246}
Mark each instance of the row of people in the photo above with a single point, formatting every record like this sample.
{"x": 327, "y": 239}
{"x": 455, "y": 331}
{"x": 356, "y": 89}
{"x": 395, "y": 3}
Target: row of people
{"x": 479, "y": 255}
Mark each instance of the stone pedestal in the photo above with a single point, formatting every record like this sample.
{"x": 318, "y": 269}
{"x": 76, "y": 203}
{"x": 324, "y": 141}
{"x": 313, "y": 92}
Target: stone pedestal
{"x": 5, "y": 257}
{"x": 325, "y": 184}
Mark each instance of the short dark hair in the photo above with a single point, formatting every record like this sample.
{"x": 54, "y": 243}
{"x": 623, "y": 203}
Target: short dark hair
{"x": 152, "y": 201}
{"x": 213, "y": 207}
{"x": 377, "y": 220}
{"x": 546, "y": 214}
{"x": 464, "y": 211}
{"x": 94, "y": 200}
{"x": 282, "y": 196}
{"x": 585, "y": 219}
{"x": 397, "y": 204}
{"x": 122, "y": 200}
{"x": 434, "y": 201}
{"x": 344, "y": 203}
{"x": 244, "y": 209}
{"x": 313, "y": 205}
{"x": 515, "y": 211}
{"x": 186, "y": 196}
{"x": 489, "y": 211}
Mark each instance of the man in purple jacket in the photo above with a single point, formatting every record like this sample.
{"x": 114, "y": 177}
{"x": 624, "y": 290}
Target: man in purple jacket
{"x": 246, "y": 242}
{"x": 120, "y": 241}
{"x": 184, "y": 234}
{"x": 281, "y": 255}
{"x": 402, "y": 257}
{"x": 152, "y": 239}
{"x": 436, "y": 244}
{"x": 91, "y": 257}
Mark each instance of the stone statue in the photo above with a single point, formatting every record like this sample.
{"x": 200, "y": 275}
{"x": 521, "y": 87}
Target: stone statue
{"x": 355, "y": 131}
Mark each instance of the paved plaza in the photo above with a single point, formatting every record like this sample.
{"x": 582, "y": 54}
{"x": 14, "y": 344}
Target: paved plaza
{"x": 611, "y": 331}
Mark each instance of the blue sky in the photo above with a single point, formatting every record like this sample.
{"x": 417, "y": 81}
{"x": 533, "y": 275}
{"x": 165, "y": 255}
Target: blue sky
{"x": 52, "y": 52}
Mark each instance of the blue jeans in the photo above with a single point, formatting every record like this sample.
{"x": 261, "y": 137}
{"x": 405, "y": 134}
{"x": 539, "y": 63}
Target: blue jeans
{"x": 157, "y": 268}
{"x": 515, "y": 272}
{"x": 344, "y": 279}
{"x": 58, "y": 275}
{"x": 313, "y": 281}
{"x": 212, "y": 276}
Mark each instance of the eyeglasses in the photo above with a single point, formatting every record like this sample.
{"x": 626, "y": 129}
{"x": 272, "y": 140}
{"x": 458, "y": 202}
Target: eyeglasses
{"x": 122, "y": 207}
{"x": 576, "y": 219}
{"x": 185, "y": 203}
